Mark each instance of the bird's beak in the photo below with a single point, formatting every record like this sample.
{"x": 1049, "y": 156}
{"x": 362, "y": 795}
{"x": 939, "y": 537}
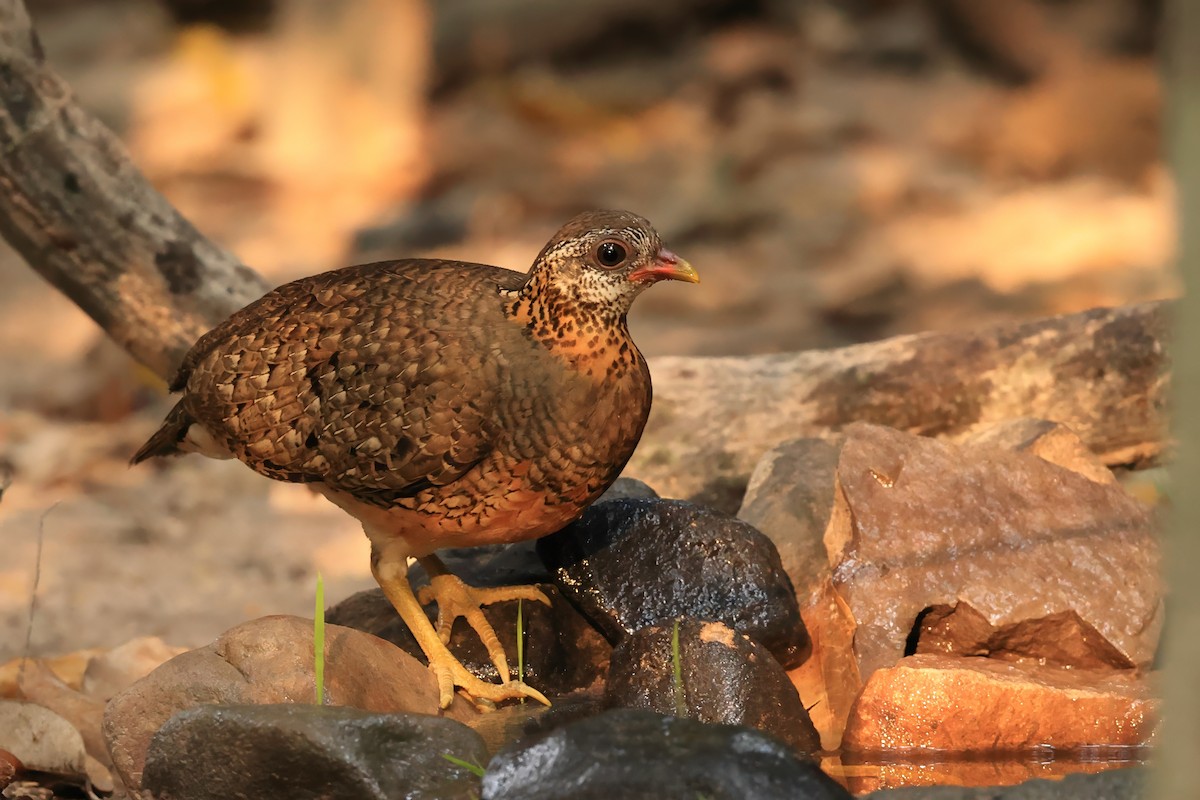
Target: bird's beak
{"x": 665, "y": 266}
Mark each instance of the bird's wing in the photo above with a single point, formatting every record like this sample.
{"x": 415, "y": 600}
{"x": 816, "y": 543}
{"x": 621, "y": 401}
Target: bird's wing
{"x": 366, "y": 381}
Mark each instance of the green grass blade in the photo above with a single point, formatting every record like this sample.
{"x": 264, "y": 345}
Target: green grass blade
{"x": 319, "y": 641}
{"x": 520, "y": 643}
{"x": 469, "y": 766}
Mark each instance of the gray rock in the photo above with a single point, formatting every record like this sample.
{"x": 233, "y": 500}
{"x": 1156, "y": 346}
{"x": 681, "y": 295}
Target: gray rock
{"x": 725, "y": 677}
{"x": 790, "y": 499}
{"x": 639, "y": 755}
{"x": 563, "y": 652}
{"x": 1117, "y": 784}
{"x": 306, "y": 751}
{"x": 631, "y": 563}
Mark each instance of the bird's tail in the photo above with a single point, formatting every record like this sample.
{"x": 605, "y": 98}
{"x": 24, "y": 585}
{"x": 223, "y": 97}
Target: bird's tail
{"x": 165, "y": 441}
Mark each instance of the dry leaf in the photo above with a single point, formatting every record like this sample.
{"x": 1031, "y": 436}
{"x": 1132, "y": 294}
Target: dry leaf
{"x": 10, "y": 765}
{"x": 41, "y": 739}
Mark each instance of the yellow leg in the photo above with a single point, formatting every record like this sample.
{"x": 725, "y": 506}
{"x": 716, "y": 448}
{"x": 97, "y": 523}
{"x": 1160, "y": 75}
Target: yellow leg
{"x": 456, "y": 599}
{"x": 391, "y": 572}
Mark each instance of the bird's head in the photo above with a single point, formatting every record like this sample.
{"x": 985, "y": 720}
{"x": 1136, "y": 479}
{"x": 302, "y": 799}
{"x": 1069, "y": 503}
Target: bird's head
{"x": 602, "y": 260}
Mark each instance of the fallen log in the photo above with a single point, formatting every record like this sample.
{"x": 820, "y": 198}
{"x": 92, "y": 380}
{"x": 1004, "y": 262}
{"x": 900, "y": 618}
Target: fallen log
{"x": 1102, "y": 372}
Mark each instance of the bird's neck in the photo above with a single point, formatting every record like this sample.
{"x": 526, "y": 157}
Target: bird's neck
{"x": 592, "y": 337}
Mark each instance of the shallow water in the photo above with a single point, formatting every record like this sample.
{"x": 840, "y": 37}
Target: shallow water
{"x": 867, "y": 772}
{"x": 861, "y": 773}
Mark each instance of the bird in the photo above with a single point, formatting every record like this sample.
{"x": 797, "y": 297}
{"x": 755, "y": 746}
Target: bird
{"x": 441, "y": 404}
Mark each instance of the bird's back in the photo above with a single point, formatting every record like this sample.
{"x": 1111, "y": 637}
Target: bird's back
{"x": 390, "y": 381}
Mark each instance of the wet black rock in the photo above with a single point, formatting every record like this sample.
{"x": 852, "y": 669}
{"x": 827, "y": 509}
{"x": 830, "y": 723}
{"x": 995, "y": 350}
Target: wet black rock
{"x": 723, "y": 677}
{"x": 639, "y": 755}
{"x": 304, "y": 751}
{"x": 631, "y": 563}
{"x": 563, "y": 652}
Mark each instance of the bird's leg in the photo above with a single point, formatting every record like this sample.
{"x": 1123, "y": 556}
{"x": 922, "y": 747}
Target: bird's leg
{"x": 390, "y": 568}
{"x": 456, "y": 599}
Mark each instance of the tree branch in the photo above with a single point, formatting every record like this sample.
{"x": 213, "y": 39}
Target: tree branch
{"x": 81, "y": 214}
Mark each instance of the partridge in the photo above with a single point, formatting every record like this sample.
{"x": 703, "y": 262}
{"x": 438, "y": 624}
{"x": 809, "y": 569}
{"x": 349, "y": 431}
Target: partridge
{"x": 441, "y": 403}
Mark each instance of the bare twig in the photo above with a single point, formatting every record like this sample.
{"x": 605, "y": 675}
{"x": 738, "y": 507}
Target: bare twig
{"x": 37, "y": 579}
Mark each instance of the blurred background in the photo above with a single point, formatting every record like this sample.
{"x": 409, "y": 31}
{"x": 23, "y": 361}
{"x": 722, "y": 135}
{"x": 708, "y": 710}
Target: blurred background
{"x": 838, "y": 171}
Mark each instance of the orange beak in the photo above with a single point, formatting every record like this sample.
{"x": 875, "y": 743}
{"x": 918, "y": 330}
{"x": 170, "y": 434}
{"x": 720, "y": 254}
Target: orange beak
{"x": 666, "y": 266}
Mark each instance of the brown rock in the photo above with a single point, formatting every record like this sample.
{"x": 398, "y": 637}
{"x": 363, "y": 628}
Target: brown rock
{"x": 957, "y": 630}
{"x": 1012, "y": 535}
{"x": 1053, "y": 441}
{"x": 268, "y": 660}
{"x": 1060, "y": 640}
{"x": 792, "y": 498}
{"x": 828, "y": 681}
{"x": 982, "y": 705}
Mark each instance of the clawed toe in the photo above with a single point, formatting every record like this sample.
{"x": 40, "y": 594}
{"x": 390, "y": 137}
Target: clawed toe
{"x": 486, "y": 695}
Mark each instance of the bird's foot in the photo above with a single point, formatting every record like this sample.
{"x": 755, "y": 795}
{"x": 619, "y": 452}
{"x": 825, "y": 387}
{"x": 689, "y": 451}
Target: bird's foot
{"x": 449, "y": 673}
{"x": 456, "y": 599}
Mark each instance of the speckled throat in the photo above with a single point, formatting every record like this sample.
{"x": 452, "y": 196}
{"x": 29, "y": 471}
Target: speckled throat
{"x": 592, "y": 336}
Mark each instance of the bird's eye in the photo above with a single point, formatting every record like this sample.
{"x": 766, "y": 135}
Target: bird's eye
{"x": 611, "y": 254}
